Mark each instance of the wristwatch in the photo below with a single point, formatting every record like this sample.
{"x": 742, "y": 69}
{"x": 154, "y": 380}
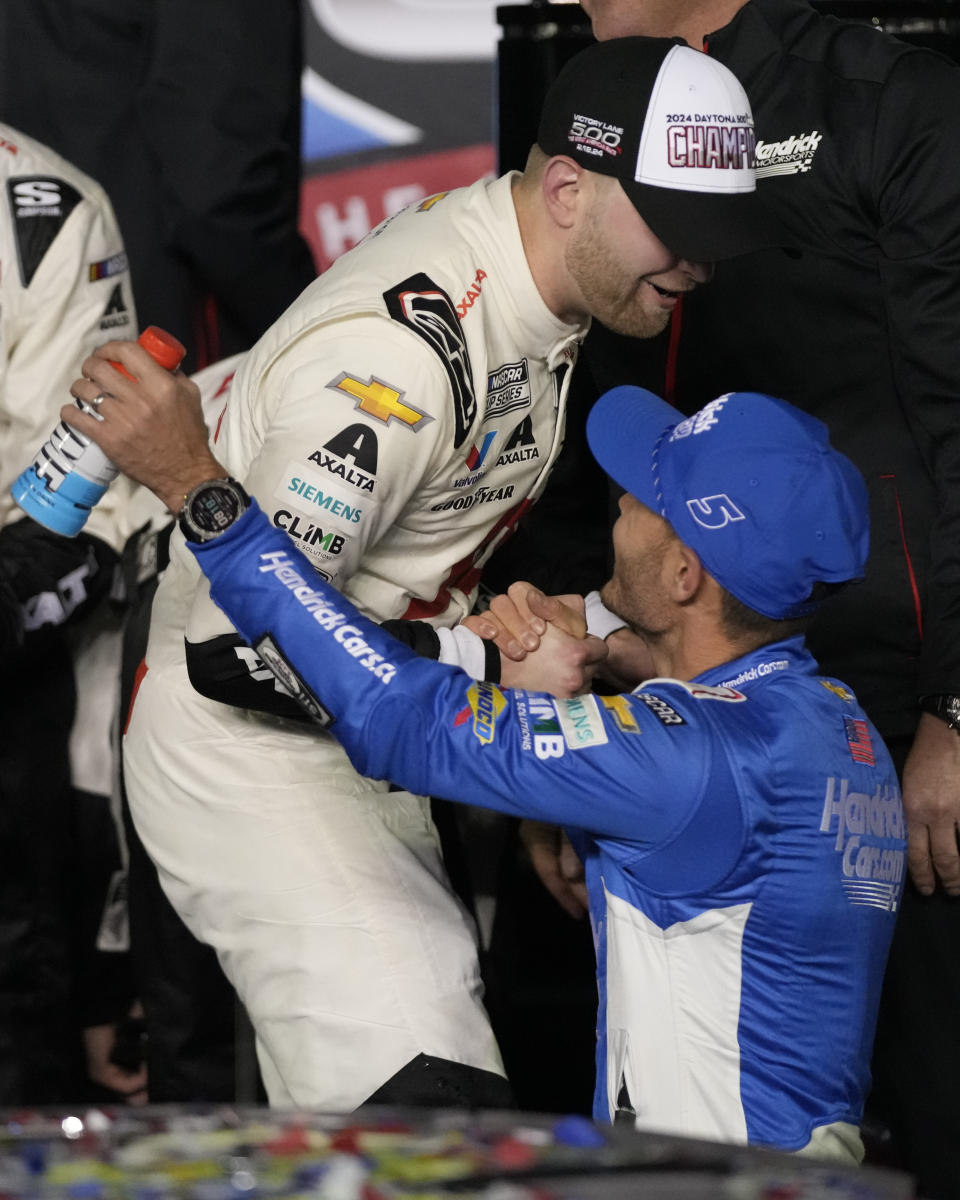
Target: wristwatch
{"x": 212, "y": 507}
{"x": 944, "y": 706}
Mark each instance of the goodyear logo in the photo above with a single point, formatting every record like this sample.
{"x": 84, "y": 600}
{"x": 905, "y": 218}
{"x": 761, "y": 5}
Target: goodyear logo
{"x": 486, "y": 702}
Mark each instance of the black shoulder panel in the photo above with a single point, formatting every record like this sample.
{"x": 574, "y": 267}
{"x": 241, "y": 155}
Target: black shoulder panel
{"x": 40, "y": 206}
{"x": 427, "y": 309}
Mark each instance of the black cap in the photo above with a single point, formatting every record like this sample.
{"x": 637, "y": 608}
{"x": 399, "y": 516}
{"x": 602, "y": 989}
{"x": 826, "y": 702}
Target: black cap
{"x": 674, "y": 126}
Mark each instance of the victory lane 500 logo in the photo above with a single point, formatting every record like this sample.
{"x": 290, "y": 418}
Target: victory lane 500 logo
{"x": 595, "y": 137}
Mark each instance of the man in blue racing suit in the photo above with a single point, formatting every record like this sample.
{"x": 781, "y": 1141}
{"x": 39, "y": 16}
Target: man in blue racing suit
{"x": 738, "y": 817}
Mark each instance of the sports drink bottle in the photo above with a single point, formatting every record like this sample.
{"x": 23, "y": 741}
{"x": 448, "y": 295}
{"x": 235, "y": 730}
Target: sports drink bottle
{"x": 71, "y": 473}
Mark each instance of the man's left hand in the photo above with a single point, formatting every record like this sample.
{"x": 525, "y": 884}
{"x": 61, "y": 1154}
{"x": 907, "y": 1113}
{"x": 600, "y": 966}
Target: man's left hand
{"x": 931, "y": 802}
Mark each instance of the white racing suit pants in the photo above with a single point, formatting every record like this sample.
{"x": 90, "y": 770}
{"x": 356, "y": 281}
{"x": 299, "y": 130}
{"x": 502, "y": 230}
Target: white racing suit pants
{"x": 323, "y": 894}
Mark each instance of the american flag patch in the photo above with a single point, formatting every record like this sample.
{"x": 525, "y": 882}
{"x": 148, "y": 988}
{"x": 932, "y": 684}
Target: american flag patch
{"x": 858, "y": 739}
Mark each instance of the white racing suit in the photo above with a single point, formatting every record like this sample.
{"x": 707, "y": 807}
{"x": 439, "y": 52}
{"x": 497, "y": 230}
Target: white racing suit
{"x": 64, "y": 289}
{"x": 396, "y": 422}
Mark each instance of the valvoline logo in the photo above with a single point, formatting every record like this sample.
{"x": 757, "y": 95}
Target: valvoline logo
{"x": 477, "y": 457}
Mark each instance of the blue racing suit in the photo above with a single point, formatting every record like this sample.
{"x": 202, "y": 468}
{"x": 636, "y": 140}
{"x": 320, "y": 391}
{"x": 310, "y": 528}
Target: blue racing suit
{"x": 742, "y": 837}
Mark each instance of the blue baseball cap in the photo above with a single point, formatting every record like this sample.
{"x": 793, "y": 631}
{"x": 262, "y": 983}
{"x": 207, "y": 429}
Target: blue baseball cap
{"x": 750, "y": 483}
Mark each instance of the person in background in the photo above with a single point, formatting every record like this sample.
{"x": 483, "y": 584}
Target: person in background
{"x": 66, "y": 986}
{"x": 857, "y": 328}
{"x": 191, "y": 121}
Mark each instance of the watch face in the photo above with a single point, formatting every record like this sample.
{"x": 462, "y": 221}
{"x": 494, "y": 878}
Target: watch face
{"x": 214, "y": 507}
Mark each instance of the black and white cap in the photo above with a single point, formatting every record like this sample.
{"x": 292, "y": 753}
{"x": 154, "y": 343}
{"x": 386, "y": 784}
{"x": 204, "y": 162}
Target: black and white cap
{"x": 675, "y": 128}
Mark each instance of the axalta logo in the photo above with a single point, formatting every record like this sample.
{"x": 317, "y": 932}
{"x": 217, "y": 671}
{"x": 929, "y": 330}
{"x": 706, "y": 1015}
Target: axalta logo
{"x": 348, "y": 636}
{"x": 115, "y": 315}
{"x": 591, "y": 136}
{"x": 486, "y": 702}
{"x": 473, "y": 294}
{"x": 870, "y": 839}
{"x": 357, "y": 444}
{"x": 792, "y": 156}
{"x": 719, "y": 147}
{"x": 521, "y": 446}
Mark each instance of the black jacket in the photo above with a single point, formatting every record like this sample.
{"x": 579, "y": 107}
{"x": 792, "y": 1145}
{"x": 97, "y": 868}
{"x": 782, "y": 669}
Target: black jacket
{"x": 858, "y": 153}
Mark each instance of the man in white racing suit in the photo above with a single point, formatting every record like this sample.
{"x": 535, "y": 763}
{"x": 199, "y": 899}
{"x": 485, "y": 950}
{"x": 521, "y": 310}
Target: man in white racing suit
{"x": 396, "y": 423}
{"x": 64, "y": 287}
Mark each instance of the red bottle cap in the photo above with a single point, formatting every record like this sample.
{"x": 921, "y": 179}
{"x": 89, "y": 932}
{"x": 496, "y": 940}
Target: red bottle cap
{"x": 163, "y": 347}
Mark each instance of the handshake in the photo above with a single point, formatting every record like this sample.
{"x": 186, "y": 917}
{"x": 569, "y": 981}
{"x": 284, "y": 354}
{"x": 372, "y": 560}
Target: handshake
{"x": 545, "y": 647}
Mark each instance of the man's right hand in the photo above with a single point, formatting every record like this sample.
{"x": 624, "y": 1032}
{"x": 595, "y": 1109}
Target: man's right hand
{"x": 517, "y": 620}
{"x": 542, "y": 639}
{"x": 150, "y": 426}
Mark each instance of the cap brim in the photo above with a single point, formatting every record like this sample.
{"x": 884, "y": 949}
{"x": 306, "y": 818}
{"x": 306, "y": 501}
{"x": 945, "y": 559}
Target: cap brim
{"x": 707, "y": 227}
{"x": 623, "y": 430}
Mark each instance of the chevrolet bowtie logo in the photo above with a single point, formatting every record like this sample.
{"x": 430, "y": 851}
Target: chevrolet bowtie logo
{"x": 381, "y": 401}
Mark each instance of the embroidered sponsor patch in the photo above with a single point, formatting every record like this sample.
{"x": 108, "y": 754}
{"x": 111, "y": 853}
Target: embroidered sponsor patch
{"x": 107, "y": 267}
{"x": 116, "y": 314}
{"x": 791, "y": 156}
{"x": 290, "y": 681}
{"x": 858, "y": 739}
{"x": 660, "y": 708}
{"x": 381, "y": 401}
{"x": 319, "y": 496}
{"x": 485, "y": 702}
{"x": 619, "y": 709}
{"x": 508, "y": 388}
{"x": 581, "y": 722}
{"x": 521, "y": 445}
{"x": 40, "y": 206}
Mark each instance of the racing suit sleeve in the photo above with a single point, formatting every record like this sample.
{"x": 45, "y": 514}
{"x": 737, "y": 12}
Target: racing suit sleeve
{"x": 355, "y": 419}
{"x": 608, "y": 766}
{"x": 917, "y": 133}
{"x": 73, "y": 284}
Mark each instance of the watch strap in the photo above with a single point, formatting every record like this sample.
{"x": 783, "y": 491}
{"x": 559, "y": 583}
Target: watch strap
{"x": 944, "y": 705}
